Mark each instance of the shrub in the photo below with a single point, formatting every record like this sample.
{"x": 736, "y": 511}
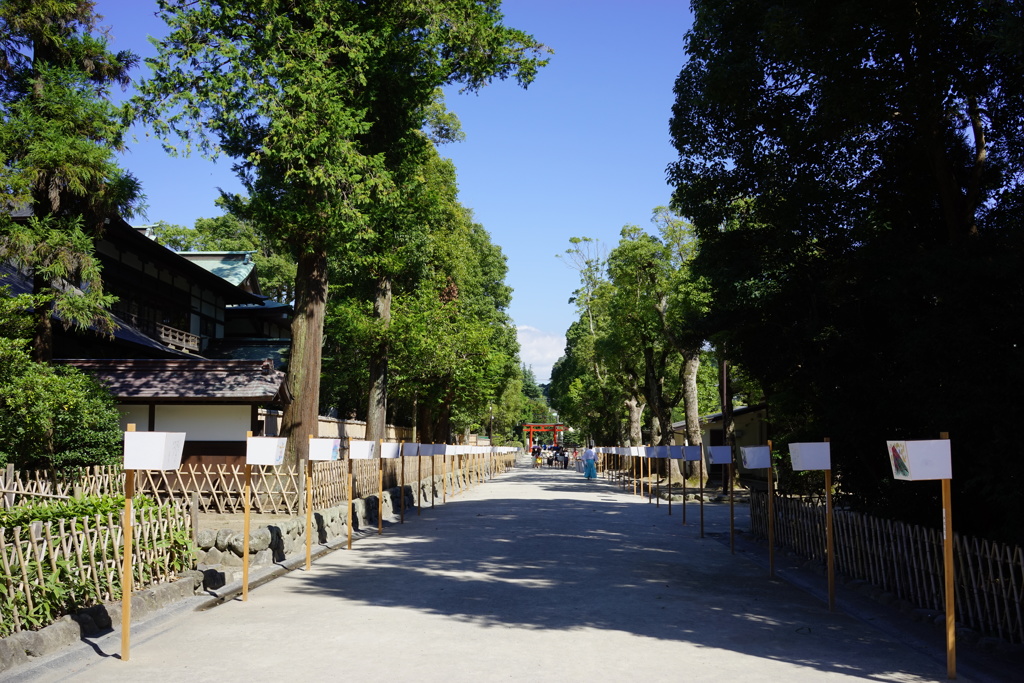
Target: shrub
{"x": 53, "y": 417}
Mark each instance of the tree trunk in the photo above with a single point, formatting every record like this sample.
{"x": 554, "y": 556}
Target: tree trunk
{"x": 691, "y": 364}
{"x": 636, "y": 411}
{"x": 42, "y": 338}
{"x": 300, "y": 418}
{"x": 377, "y": 408}
{"x": 728, "y": 426}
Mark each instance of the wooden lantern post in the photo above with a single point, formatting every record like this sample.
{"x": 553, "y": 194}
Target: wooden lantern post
{"x": 127, "y": 579}
{"x": 684, "y": 487}
{"x": 947, "y": 563}
{"x": 700, "y": 490}
{"x": 732, "y": 502}
{"x": 380, "y": 487}
{"x": 771, "y": 514}
{"x": 309, "y": 511}
{"x": 444, "y": 476}
{"x": 830, "y": 552}
{"x": 348, "y": 462}
{"x": 245, "y": 528}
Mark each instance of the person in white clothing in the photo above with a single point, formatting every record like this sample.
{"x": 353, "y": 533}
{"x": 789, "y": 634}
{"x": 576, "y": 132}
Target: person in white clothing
{"x": 590, "y": 464}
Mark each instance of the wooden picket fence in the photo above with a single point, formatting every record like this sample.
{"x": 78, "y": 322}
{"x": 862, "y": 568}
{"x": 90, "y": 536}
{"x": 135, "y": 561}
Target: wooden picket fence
{"x": 907, "y": 561}
{"x": 83, "y": 558}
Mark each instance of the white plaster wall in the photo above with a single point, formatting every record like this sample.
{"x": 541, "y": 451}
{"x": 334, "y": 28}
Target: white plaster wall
{"x": 205, "y": 423}
{"x": 137, "y": 415}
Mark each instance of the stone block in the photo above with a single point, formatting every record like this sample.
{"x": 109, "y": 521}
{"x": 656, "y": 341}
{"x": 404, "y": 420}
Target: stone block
{"x": 214, "y": 557}
{"x": 11, "y": 653}
{"x": 223, "y": 541}
{"x": 206, "y": 539}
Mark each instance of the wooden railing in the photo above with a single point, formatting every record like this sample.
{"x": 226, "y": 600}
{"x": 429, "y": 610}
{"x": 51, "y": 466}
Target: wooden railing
{"x": 172, "y": 336}
{"x": 906, "y": 560}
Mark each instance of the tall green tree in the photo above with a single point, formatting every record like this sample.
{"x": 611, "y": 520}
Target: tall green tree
{"x": 58, "y": 135}
{"x": 320, "y": 104}
{"x": 853, "y": 172}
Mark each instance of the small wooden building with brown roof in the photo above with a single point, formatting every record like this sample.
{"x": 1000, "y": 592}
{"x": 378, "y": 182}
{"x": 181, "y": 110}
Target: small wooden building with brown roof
{"x": 215, "y": 402}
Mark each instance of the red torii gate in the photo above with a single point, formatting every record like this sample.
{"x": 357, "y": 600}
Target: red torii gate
{"x": 531, "y": 427}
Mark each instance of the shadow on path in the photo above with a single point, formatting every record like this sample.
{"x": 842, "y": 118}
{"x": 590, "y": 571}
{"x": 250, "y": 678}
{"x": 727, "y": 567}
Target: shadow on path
{"x": 546, "y": 549}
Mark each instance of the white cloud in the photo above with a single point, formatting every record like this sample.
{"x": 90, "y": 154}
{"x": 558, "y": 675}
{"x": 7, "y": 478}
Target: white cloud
{"x": 539, "y": 350}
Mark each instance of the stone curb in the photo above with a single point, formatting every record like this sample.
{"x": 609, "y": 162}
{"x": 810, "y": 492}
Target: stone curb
{"x": 25, "y": 646}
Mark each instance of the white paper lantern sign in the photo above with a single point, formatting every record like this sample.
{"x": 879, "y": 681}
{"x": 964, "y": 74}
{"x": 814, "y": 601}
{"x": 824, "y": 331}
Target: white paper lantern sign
{"x": 411, "y": 450}
{"x": 361, "y": 450}
{"x": 722, "y": 455}
{"x": 390, "y": 451}
{"x": 816, "y": 455}
{"x": 153, "y": 450}
{"x": 324, "y": 449}
{"x": 691, "y": 454}
{"x": 265, "y": 450}
{"x": 755, "y": 457}
{"x": 920, "y": 460}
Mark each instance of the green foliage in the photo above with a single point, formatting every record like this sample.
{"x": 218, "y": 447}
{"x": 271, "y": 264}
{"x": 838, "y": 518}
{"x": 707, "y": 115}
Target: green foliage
{"x": 230, "y": 233}
{"x": 53, "y": 417}
{"x": 636, "y": 345}
{"x": 58, "y": 136}
{"x": 65, "y": 589}
{"x": 854, "y": 174}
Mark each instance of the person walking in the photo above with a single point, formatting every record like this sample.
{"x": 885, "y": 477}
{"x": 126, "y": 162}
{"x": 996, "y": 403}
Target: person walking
{"x": 590, "y": 463}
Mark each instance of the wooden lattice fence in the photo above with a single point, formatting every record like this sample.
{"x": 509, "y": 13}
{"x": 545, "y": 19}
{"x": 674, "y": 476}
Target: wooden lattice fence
{"x": 906, "y": 560}
{"x": 20, "y": 486}
{"x": 48, "y": 568}
{"x": 275, "y": 490}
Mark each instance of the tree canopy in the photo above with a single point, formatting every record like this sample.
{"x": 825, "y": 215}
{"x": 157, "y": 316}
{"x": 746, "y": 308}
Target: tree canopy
{"x": 853, "y": 173}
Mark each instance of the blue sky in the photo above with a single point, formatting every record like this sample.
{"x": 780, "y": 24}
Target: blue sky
{"x": 582, "y": 152}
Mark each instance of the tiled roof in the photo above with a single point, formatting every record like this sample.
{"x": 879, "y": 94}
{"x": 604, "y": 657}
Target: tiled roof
{"x": 188, "y": 381}
{"x": 233, "y": 266}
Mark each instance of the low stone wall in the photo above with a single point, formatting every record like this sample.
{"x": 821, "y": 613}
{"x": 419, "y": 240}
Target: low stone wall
{"x": 22, "y": 647}
{"x": 219, "y": 553}
{"x": 219, "y": 556}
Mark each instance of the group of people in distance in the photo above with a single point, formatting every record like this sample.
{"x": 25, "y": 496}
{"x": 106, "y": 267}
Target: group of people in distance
{"x": 559, "y": 457}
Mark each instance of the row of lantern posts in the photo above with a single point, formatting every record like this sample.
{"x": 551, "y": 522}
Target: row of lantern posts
{"x": 910, "y": 461}
{"x": 162, "y": 451}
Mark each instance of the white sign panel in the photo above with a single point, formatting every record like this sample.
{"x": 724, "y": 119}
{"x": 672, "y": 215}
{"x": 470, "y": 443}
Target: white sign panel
{"x": 755, "y": 457}
{"x": 265, "y": 450}
{"x": 691, "y": 453}
{"x": 324, "y": 449}
{"x": 361, "y": 450}
{"x": 389, "y": 450}
{"x": 153, "y": 450}
{"x": 721, "y": 455}
{"x": 815, "y": 455}
{"x": 920, "y": 460}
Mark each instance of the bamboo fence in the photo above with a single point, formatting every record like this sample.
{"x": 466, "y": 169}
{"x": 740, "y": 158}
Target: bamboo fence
{"x": 275, "y": 490}
{"x": 85, "y": 556}
{"x": 906, "y": 560}
{"x": 17, "y": 486}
